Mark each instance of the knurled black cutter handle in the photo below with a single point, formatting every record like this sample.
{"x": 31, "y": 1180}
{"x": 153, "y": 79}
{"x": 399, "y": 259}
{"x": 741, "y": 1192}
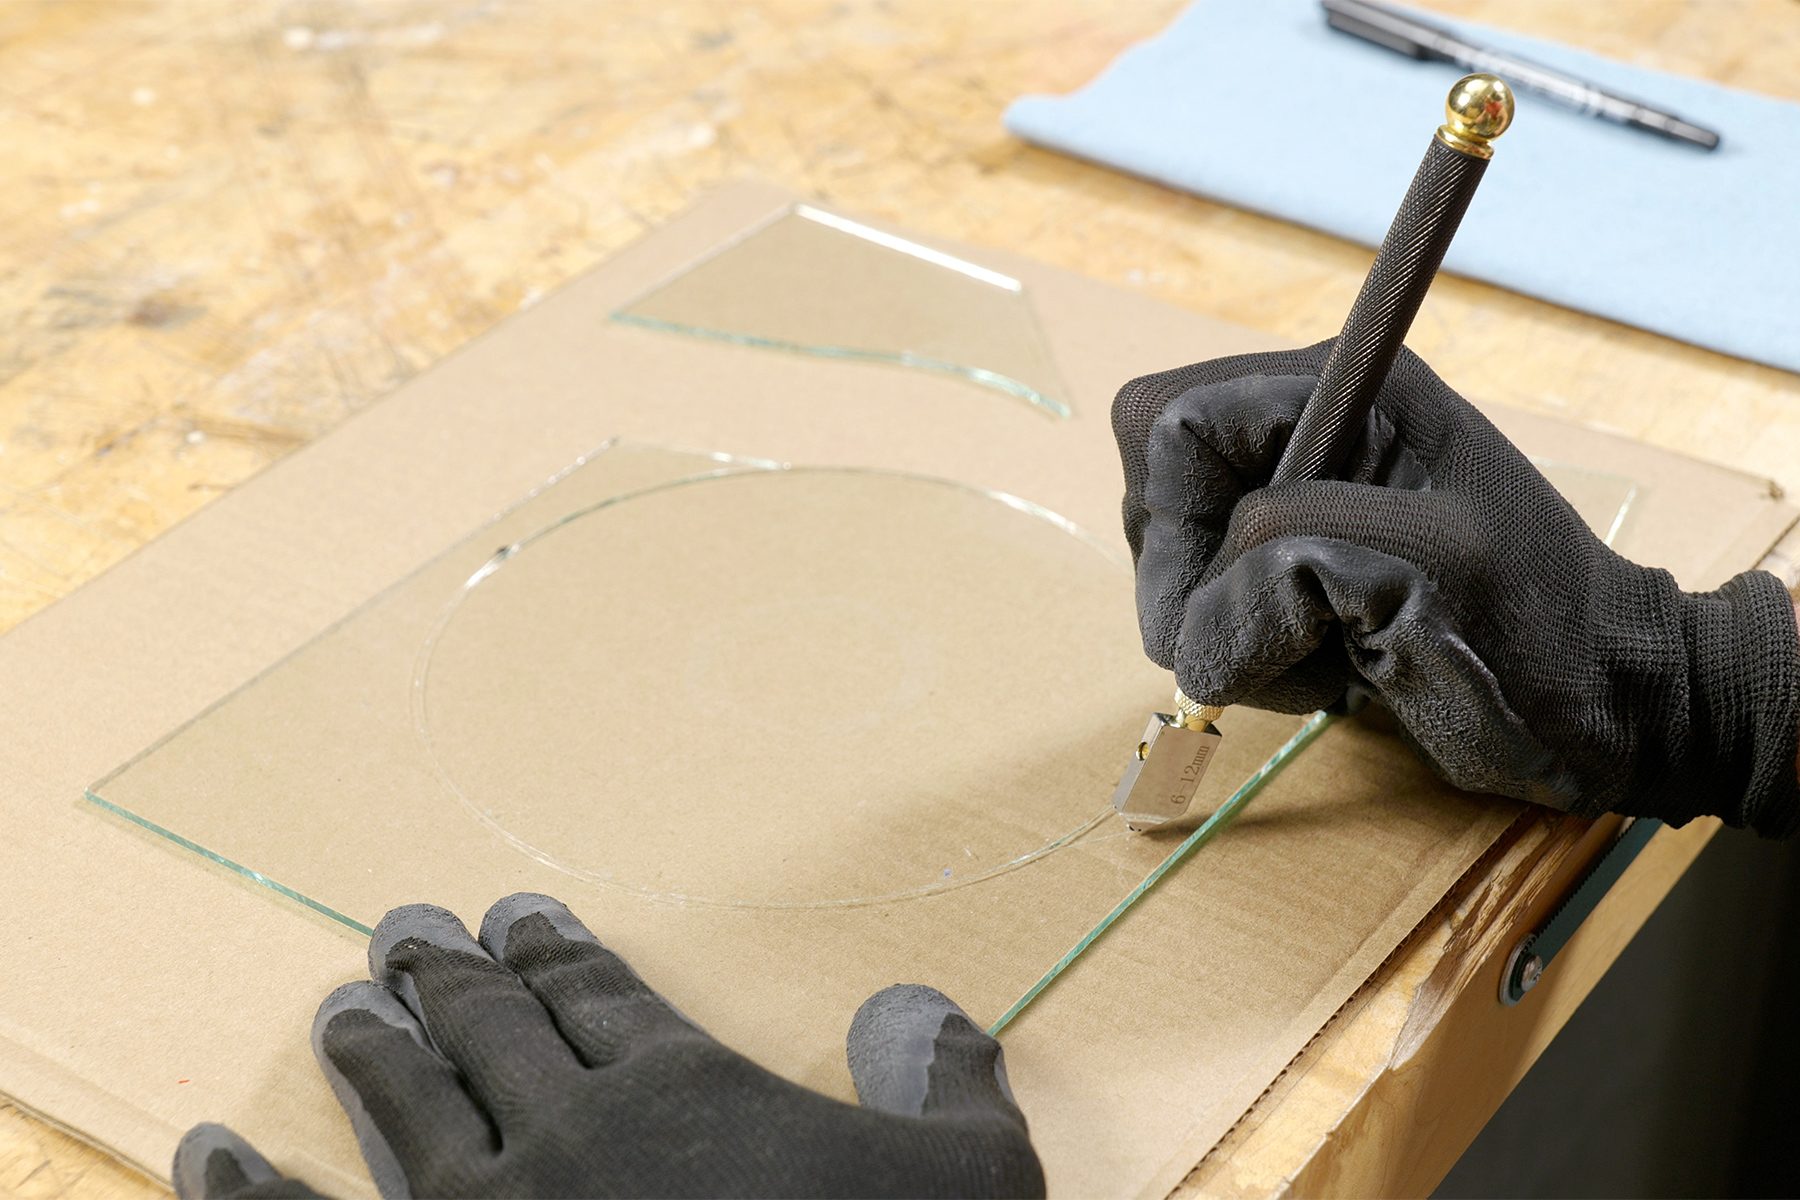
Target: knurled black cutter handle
{"x": 1479, "y": 109}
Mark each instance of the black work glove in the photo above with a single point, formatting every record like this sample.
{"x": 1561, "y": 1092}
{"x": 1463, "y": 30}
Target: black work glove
{"x": 536, "y": 1063}
{"x": 1441, "y": 573}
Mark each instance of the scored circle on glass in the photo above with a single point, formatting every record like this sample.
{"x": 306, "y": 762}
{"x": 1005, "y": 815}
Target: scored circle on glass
{"x": 789, "y": 688}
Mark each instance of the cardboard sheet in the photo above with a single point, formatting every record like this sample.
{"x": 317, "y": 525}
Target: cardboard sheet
{"x": 150, "y": 990}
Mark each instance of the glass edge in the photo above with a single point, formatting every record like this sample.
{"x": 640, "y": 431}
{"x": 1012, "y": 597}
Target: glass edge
{"x": 1633, "y": 490}
{"x": 1222, "y": 816}
{"x": 980, "y": 376}
{"x": 257, "y": 877}
{"x": 1618, "y": 521}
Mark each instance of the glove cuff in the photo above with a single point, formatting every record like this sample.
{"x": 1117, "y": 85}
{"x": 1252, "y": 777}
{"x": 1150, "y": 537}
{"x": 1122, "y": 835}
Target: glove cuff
{"x": 1744, "y": 694}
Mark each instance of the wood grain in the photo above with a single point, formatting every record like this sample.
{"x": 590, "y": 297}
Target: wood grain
{"x": 38, "y": 1162}
{"x": 230, "y": 227}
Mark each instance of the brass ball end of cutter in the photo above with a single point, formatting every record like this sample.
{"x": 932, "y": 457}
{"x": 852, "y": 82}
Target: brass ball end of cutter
{"x": 1478, "y": 110}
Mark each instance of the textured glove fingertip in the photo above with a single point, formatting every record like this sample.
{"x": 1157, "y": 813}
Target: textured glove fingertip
{"x": 914, "y": 1052}
{"x": 214, "y": 1163}
{"x": 510, "y": 910}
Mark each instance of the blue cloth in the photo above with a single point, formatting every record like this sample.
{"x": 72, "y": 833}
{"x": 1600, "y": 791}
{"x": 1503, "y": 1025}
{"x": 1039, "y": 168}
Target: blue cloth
{"x": 1258, "y": 103}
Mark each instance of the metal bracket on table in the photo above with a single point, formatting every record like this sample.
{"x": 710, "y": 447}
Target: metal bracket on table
{"x": 1535, "y": 952}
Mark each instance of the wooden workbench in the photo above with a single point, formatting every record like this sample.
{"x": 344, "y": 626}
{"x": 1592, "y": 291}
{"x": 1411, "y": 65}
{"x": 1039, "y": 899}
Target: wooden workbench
{"x": 230, "y": 226}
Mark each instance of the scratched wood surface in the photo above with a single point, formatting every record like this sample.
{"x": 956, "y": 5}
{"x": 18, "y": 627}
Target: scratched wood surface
{"x": 231, "y": 226}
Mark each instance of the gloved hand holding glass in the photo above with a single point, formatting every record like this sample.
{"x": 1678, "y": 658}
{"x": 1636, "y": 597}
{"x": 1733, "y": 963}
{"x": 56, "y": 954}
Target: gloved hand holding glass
{"x": 534, "y": 1062}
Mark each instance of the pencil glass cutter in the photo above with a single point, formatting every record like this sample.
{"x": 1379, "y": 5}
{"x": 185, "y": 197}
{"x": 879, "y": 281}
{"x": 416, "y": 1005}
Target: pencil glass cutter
{"x": 1163, "y": 775}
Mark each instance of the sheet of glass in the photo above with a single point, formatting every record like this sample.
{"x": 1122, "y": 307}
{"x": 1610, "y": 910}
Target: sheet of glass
{"x": 697, "y": 680}
{"x": 812, "y": 282}
{"x": 680, "y": 688}
{"x": 783, "y": 736}
{"x": 702, "y": 681}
